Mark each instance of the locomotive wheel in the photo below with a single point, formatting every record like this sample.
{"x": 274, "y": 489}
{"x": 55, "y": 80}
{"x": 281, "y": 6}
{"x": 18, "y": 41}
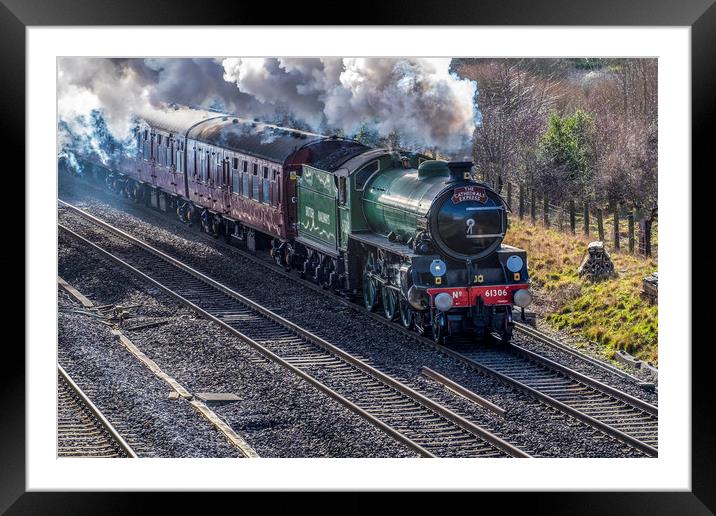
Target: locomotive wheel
{"x": 406, "y": 314}
{"x": 421, "y": 323}
{"x": 370, "y": 293}
{"x": 506, "y": 336}
{"x": 328, "y": 269}
{"x": 138, "y": 193}
{"x": 439, "y": 327}
{"x": 390, "y": 302}
{"x": 370, "y": 287}
{"x": 506, "y": 333}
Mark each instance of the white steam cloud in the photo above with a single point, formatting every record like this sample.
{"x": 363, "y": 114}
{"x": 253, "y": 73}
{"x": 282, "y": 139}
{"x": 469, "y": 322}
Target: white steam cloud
{"x": 417, "y": 100}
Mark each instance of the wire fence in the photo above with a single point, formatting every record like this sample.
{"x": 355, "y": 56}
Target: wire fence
{"x": 623, "y": 229}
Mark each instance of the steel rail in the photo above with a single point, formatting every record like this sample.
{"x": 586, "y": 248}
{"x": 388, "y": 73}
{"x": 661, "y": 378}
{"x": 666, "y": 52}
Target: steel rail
{"x": 521, "y": 327}
{"x": 104, "y": 423}
{"x": 609, "y": 430}
{"x": 526, "y": 329}
{"x": 554, "y": 343}
{"x": 596, "y": 384}
{"x": 432, "y": 406}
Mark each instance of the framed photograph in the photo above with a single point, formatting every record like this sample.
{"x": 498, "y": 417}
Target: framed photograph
{"x": 359, "y": 257}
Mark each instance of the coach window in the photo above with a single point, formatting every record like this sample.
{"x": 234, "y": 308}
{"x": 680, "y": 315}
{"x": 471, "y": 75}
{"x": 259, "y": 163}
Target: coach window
{"x": 180, "y": 156}
{"x": 235, "y": 179}
{"x": 193, "y": 164}
{"x": 364, "y": 174}
{"x": 225, "y": 179}
{"x": 244, "y": 178}
{"x": 145, "y": 146}
{"x": 209, "y": 167}
{"x": 266, "y": 194}
{"x": 276, "y": 188}
{"x": 219, "y": 170}
{"x": 170, "y": 145}
{"x": 255, "y": 182}
{"x": 158, "y": 155}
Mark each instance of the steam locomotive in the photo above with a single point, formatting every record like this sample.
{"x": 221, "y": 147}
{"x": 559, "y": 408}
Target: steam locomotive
{"x": 413, "y": 237}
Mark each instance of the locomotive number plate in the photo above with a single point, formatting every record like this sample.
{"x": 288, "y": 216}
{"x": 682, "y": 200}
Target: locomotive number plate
{"x": 493, "y": 295}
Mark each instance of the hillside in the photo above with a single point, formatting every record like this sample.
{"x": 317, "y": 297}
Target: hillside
{"x": 610, "y": 313}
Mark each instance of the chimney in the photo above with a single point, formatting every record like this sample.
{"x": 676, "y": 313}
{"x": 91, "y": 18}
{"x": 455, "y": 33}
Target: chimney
{"x": 459, "y": 170}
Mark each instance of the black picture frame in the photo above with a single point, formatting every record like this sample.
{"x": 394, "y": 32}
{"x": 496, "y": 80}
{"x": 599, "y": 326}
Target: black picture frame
{"x": 700, "y": 15}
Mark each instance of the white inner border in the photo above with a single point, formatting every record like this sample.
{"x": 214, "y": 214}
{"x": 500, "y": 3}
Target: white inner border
{"x": 670, "y": 471}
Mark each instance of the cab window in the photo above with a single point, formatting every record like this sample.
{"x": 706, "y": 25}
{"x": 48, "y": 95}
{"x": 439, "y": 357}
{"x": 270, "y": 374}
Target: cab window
{"x": 342, "y": 191}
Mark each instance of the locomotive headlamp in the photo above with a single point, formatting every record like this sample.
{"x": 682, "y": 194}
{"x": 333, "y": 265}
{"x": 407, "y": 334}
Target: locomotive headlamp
{"x": 438, "y": 268}
{"x": 514, "y": 263}
{"x": 523, "y": 298}
{"x": 443, "y": 302}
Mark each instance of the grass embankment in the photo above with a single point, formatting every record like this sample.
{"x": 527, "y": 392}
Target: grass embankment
{"x": 610, "y": 313}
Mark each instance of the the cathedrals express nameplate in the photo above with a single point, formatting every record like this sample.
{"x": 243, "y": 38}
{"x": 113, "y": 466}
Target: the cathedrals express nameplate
{"x": 469, "y": 193}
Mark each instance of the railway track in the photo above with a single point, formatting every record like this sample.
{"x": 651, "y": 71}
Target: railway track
{"x": 617, "y": 414}
{"x": 628, "y": 419}
{"x": 423, "y": 425}
{"x": 548, "y": 341}
{"x": 520, "y": 328}
{"x": 82, "y": 430}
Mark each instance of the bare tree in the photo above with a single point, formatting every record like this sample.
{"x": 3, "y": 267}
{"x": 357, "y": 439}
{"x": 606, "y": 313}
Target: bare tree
{"x": 514, "y": 101}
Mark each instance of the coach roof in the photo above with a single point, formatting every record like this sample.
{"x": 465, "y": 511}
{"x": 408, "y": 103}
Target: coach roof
{"x": 271, "y": 142}
{"x": 278, "y": 144}
{"x": 254, "y": 138}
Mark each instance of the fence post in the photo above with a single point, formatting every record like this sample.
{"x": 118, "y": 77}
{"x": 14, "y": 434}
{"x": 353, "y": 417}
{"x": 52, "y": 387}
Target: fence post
{"x": 630, "y": 220}
{"x": 522, "y": 201}
{"x": 572, "y": 217}
{"x": 647, "y": 237}
{"x": 533, "y": 206}
{"x": 546, "y": 212}
{"x": 615, "y": 211}
{"x": 509, "y": 194}
{"x": 586, "y": 218}
{"x": 600, "y": 224}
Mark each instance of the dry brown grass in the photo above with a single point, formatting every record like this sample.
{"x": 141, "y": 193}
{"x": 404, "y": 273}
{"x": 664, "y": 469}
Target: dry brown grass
{"x": 610, "y": 312}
